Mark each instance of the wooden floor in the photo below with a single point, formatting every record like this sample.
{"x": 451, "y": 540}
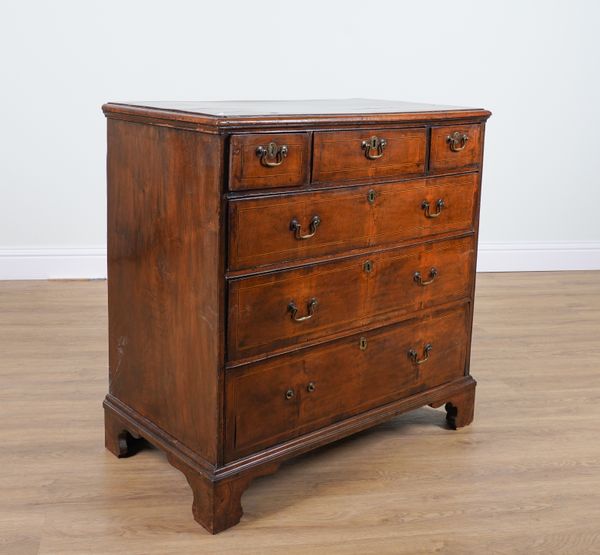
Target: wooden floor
{"x": 523, "y": 478}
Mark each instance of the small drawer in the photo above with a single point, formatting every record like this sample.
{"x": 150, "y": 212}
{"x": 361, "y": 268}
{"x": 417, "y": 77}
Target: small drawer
{"x": 266, "y": 161}
{"x": 291, "y": 395}
{"x": 455, "y": 147}
{"x": 368, "y": 154}
{"x": 274, "y": 311}
{"x": 298, "y": 226}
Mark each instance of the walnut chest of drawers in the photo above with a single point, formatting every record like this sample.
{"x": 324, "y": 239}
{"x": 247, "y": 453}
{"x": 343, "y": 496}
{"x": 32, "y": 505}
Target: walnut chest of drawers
{"x": 282, "y": 275}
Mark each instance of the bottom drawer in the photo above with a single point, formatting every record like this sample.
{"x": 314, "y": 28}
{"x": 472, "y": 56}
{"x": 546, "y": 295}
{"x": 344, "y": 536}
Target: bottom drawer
{"x": 276, "y": 400}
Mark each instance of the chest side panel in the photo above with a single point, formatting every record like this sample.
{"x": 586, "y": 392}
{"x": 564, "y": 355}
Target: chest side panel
{"x": 165, "y": 278}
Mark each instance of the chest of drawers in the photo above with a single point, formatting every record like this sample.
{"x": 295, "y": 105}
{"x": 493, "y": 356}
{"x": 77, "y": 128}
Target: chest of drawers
{"x": 282, "y": 275}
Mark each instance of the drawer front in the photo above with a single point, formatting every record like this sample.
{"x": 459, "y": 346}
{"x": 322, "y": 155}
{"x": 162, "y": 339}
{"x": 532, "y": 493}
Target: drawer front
{"x": 273, "y": 401}
{"x": 274, "y": 311}
{"x": 455, "y": 147}
{"x": 356, "y": 155}
{"x": 294, "y": 227}
{"x": 263, "y": 161}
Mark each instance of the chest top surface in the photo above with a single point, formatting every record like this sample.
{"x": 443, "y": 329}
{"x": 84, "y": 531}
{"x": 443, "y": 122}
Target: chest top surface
{"x": 251, "y": 108}
{"x": 224, "y": 114}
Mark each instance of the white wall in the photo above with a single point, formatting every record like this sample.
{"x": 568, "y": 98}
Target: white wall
{"x": 534, "y": 64}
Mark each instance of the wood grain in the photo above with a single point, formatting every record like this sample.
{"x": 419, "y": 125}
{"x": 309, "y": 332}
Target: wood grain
{"x": 247, "y": 172}
{"x": 348, "y": 296}
{"x": 523, "y": 478}
{"x": 215, "y": 117}
{"x": 260, "y": 232}
{"x": 443, "y": 158}
{"x": 346, "y": 378}
{"x": 339, "y": 156}
{"x": 165, "y": 265}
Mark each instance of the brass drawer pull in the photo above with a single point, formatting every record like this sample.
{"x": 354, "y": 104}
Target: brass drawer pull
{"x": 457, "y": 141}
{"x": 433, "y": 273}
{"x": 289, "y": 394}
{"x": 311, "y": 306}
{"x": 311, "y": 387}
{"x": 296, "y": 227}
{"x": 374, "y": 144}
{"x": 415, "y": 357}
{"x": 272, "y": 155}
{"x": 439, "y": 205}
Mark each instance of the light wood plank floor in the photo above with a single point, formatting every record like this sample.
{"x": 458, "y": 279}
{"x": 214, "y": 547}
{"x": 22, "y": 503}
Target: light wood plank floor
{"x": 523, "y": 478}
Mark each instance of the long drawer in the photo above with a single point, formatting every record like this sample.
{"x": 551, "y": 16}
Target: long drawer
{"x": 273, "y": 311}
{"x": 294, "y": 394}
{"x": 297, "y": 226}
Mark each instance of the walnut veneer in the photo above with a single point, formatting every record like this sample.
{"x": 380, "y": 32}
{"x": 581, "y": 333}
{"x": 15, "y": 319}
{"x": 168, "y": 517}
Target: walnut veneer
{"x": 284, "y": 274}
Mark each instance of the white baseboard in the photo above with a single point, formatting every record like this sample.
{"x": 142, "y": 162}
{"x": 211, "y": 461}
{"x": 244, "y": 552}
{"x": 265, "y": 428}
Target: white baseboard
{"x": 53, "y": 263}
{"x": 90, "y": 262}
{"x": 538, "y": 257}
